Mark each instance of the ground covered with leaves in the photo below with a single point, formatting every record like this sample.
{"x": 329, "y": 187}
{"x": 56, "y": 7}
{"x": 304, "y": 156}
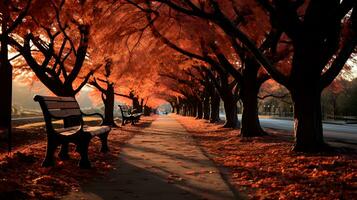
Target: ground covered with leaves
{"x": 21, "y": 174}
{"x": 266, "y": 168}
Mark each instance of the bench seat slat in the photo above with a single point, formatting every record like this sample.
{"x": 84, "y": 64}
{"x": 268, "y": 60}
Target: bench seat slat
{"x": 62, "y": 105}
{"x": 51, "y": 98}
{"x": 93, "y": 130}
{"x": 65, "y": 113}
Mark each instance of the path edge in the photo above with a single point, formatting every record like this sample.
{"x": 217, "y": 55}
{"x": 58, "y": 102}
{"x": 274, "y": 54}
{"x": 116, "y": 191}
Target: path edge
{"x": 223, "y": 171}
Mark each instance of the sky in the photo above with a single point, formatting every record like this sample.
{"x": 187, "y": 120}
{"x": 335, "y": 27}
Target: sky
{"x": 354, "y": 71}
{"x": 23, "y": 95}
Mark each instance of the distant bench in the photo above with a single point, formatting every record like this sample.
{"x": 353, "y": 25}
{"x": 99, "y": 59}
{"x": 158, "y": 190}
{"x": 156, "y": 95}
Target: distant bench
{"x": 67, "y": 108}
{"x": 128, "y": 116}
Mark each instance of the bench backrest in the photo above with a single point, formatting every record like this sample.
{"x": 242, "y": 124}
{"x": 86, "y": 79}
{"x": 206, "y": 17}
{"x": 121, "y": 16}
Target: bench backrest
{"x": 59, "y": 108}
{"x": 125, "y": 110}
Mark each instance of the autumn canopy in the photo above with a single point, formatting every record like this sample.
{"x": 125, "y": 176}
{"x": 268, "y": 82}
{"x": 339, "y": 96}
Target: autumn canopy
{"x": 192, "y": 54}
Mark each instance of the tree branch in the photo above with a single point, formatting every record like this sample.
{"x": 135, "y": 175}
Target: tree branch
{"x": 19, "y": 19}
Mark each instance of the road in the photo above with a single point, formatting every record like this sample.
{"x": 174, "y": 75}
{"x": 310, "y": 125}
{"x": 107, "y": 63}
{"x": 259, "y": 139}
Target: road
{"x": 338, "y": 133}
{"x": 345, "y": 133}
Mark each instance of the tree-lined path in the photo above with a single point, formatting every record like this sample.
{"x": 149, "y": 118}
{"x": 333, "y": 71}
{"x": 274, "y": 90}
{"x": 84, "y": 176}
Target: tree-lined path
{"x": 161, "y": 162}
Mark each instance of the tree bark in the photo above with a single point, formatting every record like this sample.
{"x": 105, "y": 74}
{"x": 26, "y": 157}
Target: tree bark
{"x": 6, "y": 82}
{"x": 173, "y": 110}
{"x": 193, "y": 109}
{"x": 308, "y": 120}
{"x": 178, "y": 109}
{"x": 109, "y": 106}
{"x": 249, "y": 95}
{"x": 136, "y": 105}
{"x": 141, "y": 106}
{"x": 147, "y": 110}
{"x": 250, "y": 120}
{"x": 199, "y": 110}
{"x": 184, "y": 110}
{"x": 173, "y": 107}
{"x": 215, "y": 101}
{"x": 206, "y": 106}
{"x": 230, "y": 107}
{"x": 305, "y": 92}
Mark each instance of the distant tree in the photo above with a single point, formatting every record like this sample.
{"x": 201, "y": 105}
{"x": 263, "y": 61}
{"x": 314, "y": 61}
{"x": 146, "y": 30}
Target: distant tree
{"x": 330, "y": 96}
{"x": 347, "y": 101}
{"x": 107, "y": 93}
{"x": 191, "y": 89}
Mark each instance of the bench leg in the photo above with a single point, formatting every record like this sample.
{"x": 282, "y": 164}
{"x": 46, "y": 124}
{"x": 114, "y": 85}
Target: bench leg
{"x": 63, "y": 154}
{"x": 83, "y": 151}
{"x": 50, "y": 150}
{"x": 104, "y": 140}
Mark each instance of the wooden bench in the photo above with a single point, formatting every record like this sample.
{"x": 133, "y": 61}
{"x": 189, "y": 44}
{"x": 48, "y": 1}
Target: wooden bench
{"x": 128, "y": 116}
{"x": 67, "y": 108}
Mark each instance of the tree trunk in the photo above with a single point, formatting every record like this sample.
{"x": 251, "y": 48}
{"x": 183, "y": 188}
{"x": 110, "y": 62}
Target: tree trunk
{"x": 147, "y": 110}
{"x": 184, "y": 110}
{"x": 141, "y": 106}
{"x": 307, "y": 120}
{"x": 178, "y": 109}
{"x": 136, "y": 105}
{"x": 109, "y": 107}
{"x": 199, "y": 110}
{"x": 305, "y": 92}
{"x": 214, "y": 104}
{"x": 6, "y": 92}
{"x": 249, "y": 95}
{"x": 250, "y": 120}
{"x": 206, "y": 107}
{"x": 193, "y": 110}
{"x": 6, "y": 84}
{"x": 230, "y": 107}
{"x": 172, "y": 107}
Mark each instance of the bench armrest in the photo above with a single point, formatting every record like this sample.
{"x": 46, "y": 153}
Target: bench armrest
{"x": 92, "y": 114}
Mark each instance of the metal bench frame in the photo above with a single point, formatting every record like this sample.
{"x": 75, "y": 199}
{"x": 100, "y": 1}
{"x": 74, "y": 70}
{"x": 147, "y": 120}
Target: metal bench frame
{"x": 62, "y": 108}
{"x": 128, "y": 116}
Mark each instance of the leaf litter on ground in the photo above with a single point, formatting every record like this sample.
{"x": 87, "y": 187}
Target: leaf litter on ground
{"x": 266, "y": 168}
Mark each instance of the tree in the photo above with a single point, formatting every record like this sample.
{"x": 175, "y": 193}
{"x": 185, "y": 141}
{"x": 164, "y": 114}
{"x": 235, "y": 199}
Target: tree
{"x": 317, "y": 40}
{"x": 12, "y": 15}
{"x": 346, "y": 103}
{"x": 321, "y": 48}
{"x": 226, "y": 85}
{"x": 62, "y": 60}
{"x": 246, "y": 75}
{"x": 107, "y": 93}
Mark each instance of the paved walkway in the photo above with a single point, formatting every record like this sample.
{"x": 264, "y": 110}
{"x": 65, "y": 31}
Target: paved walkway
{"x": 161, "y": 163}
